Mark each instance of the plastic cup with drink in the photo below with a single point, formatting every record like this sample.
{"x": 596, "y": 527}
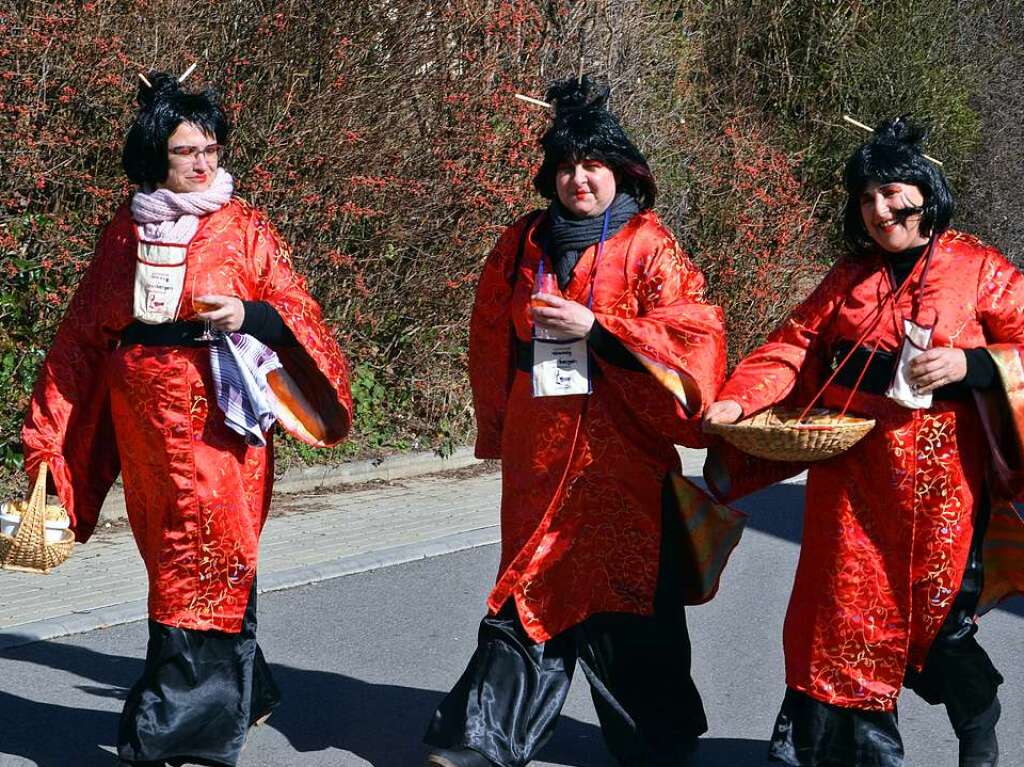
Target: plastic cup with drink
{"x": 544, "y": 282}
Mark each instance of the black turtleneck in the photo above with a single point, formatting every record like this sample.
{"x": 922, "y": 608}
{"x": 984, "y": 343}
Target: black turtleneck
{"x": 902, "y": 264}
{"x": 981, "y": 368}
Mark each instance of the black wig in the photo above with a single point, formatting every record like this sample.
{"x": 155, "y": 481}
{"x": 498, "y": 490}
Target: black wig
{"x": 894, "y": 155}
{"x": 162, "y": 108}
{"x": 584, "y": 129}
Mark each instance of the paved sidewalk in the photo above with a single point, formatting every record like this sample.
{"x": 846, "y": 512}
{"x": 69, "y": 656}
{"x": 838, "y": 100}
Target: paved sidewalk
{"x": 309, "y": 538}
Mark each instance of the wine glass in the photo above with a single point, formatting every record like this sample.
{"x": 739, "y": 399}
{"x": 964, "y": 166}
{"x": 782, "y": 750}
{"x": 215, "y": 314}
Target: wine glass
{"x": 202, "y": 285}
{"x": 543, "y": 282}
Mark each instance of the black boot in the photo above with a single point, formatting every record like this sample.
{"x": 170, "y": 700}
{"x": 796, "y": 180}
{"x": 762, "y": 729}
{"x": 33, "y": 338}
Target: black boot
{"x": 978, "y": 744}
{"x": 457, "y": 757}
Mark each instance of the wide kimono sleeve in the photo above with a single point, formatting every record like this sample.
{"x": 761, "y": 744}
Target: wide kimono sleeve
{"x": 767, "y": 375}
{"x": 677, "y": 336}
{"x": 491, "y": 363}
{"x": 1000, "y": 306}
{"x": 786, "y": 364}
{"x": 1000, "y": 303}
{"x": 313, "y": 393}
{"x": 68, "y": 423}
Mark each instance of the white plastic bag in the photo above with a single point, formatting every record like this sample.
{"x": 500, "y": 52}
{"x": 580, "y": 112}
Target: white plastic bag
{"x": 917, "y": 339}
{"x": 159, "y": 281}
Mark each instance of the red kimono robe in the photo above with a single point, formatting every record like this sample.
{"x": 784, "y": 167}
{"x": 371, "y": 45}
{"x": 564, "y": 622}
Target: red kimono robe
{"x": 197, "y": 496}
{"x": 888, "y": 523}
{"x": 582, "y": 474}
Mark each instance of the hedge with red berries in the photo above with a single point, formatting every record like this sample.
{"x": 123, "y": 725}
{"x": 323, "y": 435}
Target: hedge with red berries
{"x": 383, "y": 139}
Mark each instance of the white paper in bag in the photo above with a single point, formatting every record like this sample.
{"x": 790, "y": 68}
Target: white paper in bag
{"x": 916, "y": 340}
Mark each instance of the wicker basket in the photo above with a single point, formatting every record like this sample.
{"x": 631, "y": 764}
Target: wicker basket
{"x": 27, "y": 550}
{"x": 778, "y": 434}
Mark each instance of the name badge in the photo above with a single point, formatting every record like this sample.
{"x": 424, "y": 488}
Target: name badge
{"x": 560, "y": 368}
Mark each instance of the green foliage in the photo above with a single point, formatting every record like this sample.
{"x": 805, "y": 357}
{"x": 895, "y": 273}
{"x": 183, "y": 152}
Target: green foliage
{"x": 30, "y": 280}
{"x": 385, "y": 143}
{"x": 378, "y": 407}
{"x": 805, "y": 63}
{"x": 773, "y": 80}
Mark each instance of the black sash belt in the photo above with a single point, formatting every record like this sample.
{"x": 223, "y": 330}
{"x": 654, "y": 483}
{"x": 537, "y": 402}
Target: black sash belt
{"x": 181, "y": 333}
{"x": 881, "y": 369}
{"x": 524, "y": 355}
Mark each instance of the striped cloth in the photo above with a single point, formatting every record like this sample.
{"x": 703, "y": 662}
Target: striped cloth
{"x": 240, "y": 367}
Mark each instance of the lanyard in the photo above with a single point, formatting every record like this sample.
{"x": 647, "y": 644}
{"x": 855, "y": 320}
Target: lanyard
{"x": 597, "y": 258}
{"x": 915, "y": 307}
{"x": 895, "y": 294}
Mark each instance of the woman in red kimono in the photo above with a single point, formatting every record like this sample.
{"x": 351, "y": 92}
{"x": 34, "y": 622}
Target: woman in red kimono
{"x": 891, "y": 566}
{"x": 582, "y": 394}
{"x": 128, "y": 387}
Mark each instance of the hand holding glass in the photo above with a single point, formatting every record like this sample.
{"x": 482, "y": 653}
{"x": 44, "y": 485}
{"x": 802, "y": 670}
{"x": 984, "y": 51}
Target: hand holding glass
{"x": 544, "y": 282}
{"x": 201, "y": 287}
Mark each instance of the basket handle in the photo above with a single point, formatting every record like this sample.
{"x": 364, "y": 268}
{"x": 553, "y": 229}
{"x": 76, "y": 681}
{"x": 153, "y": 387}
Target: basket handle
{"x": 831, "y": 378}
{"x": 38, "y": 496}
{"x": 33, "y": 518}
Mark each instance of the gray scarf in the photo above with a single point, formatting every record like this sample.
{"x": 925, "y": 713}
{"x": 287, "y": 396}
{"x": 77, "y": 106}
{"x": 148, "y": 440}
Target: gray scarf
{"x": 570, "y": 236}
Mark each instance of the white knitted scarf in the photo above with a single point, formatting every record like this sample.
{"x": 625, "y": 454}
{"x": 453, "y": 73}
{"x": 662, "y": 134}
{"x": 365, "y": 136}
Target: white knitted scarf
{"x": 173, "y": 217}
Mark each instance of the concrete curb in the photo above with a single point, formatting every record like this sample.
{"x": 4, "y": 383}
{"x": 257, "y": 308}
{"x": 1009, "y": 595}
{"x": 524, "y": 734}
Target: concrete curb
{"x": 305, "y": 479}
{"x": 129, "y": 612}
{"x": 76, "y": 623}
{"x": 309, "y": 479}
{"x": 375, "y": 560}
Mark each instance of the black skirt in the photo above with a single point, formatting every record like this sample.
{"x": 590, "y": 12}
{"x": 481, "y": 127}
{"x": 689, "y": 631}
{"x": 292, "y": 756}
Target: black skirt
{"x": 198, "y": 695}
{"x": 508, "y": 700}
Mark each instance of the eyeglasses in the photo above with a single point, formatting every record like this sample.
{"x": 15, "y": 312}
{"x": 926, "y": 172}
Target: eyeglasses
{"x": 212, "y": 152}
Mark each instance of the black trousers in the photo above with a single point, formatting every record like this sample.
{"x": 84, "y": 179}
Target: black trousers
{"x": 957, "y": 673}
{"x": 198, "y": 695}
{"x": 508, "y": 700}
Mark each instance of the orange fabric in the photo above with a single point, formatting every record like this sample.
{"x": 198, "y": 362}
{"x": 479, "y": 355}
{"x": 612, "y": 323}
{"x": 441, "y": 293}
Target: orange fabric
{"x": 712, "y": 531}
{"x": 197, "y": 495}
{"x": 1003, "y": 412}
{"x": 582, "y": 475}
{"x": 888, "y": 524}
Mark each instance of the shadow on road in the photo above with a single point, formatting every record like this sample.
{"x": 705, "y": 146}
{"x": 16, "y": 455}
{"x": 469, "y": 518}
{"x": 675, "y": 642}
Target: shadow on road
{"x": 321, "y": 710}
{"x": 733, "y": 752}
{"x": 383, "y": 723}
{"x": 777, "y": 510}
{"x": 48, "y": 734}
{"x": 53, "y": 734}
